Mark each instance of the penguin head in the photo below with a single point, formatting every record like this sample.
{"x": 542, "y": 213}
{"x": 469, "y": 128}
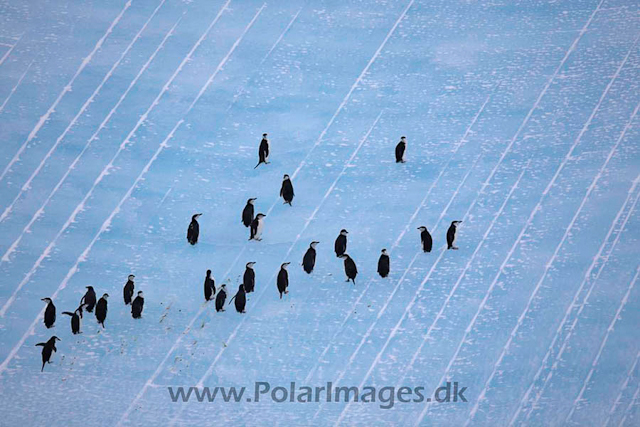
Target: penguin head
{"x": 314, "y": 244}
{"x": 264, "y": 135}
{"x": 140, "y": 294}
{"x": 47, "y": 300}
{"x": 251, "y": 200}
{"x": 131, "y": 277}
{"x": 285, "y": 177}
{"x": 89, "y": 287}
{"x": 384, "y": 252}
{"x": 223, "y": 287}
{"x": 455, "y": 223}
{"x": 208, "y": 273}
{"x": 344, "y": 232}
{"x": 260, "y": 216}
{"x": 250, "y": 264}
{"x": 403, "y": 138}
{"x": 196, "y": 216}
{"x": 54, "y": 339}
{"x": 285, "y": 265}
{"x": 422, "y": 228}
{"x": 105, "y": 296}
{"x": 241, "y": 288}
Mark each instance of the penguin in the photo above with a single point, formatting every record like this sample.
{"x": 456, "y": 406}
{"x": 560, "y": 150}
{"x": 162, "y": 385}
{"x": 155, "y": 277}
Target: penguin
{"x": 341, "y": 243}
{"x": 283, "y": 279}
{"x": 137, "y": 305}
{"x": 247, "y": 212}
{"x": 249, "y": 278}
{"x": 256, "y": 227}
{"x": 221, "y": 298}
{"x": 127, "y": 292}
{"x": 194, "y": 230}
{"x": 241, "y": 299}
{"x": 350, "y": 268}
{"x": 48, "y": 348}
{"x": 263, "y": 151}
{"x": 383, "y": 264}
{"x": 75, "y": 319}
{"x": 425, "y": 238}
{"x": 402, "y": 145}
{"x": 209, "y": 286}
{"x": 286, "y": 191}
{"x": 101, "y": 309}
{"x": 49, "y": 313}
{"x": 451, "y": 235}
{"x": 309, "y": 259}
{"x": 89, "y": 299}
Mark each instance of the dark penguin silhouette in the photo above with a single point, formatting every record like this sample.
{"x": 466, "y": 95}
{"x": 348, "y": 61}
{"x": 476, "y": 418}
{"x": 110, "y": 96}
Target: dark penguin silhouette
{"x": 89, "y": 299}
{"x": 263, "y": 151}
{"x": 247, "y": 213}
{"x": 402, "y": 145}
{"x": 48, "y": 348}
{"x": 101, "y": 309}
{"x": 194, "y": 230}
{"x": 383, "y": 264}
{"x": 221, "y": 298}
{"x": 286, "y": 191}
{"x": 249, "y": 278}
{"x": 127, "y": 292}
{"x": 283, "y": 279}
{"x": 241, "y": 299}
{"x": 137, "y": 306}
{"x": 341, "y": 243}
{"x": 209, "y": 286}
{"x": 49, "y": 313}
{"x": 257, "y": 225}
{"x": 75, "y": 319}
{"x": 451, "y": 235}
{"x": 309, "y": 259}
{"x": 425, "y": 238}
{"x": 350, "y": 268}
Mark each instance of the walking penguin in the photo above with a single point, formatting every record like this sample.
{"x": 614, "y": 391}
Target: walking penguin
{"x": 350, "y": 268}
{"x": 137, "y": 306}
{"x": 256, "y": 227}
{"x": 283, "y": 279}
{"x": 241, "y": 299}
{"x": 221, "y": 298}
{"x": 127, "y": 292}
{"x": 383, "y": 264}
{"x": 309, "y": 259}
{"x": 49, "y": 313}
{"x": 209, "y": 286}
{"x": 263, "y": 151}
{"x": 75, "y": 319}
{"x": 247, "y": 213}
{"x": 341, "y": 243}
{"x": 89, "y": 299}
{"x": 249, "y": 278}
{"x": 194, "y": 230}
{"x": 101, "y": 309}
{"x": 48, "y": 348}
{"x": 286, "y": 191}
{"x": 402, "y": 145}
{"x": 451, "y": 235}
{"x": 425, "y": 239}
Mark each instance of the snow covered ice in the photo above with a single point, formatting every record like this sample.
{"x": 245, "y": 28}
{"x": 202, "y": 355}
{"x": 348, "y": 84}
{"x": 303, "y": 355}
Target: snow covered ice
{"x": 119, "y": 120}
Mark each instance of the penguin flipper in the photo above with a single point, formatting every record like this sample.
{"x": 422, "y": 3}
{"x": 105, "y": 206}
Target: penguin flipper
{"x": 41, "y": 344}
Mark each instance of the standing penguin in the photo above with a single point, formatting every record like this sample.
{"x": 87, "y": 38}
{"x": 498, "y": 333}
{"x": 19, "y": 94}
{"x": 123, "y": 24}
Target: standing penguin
{"x": 341, "y": 243}
{"x": 309, "y": 259}
{"x": 49, "y": 313}
{"x": 89, "y": 299}
{"x": 48, "y": 348}
{"x": 263, "y": 151}
{"x": 383, "y": 264}
{"x": 137, "y": 306}
{"x": 425, "y": 239}
{"x": 402, "y": 145}
{"x": 194, "y": 230}
{"x": 451, "y": 235}
{"x": 249, "y": 278}
{"x": 350, "y": 268}
{"x": 283, "y": 279}
{"x": 209, "y": 286}
{"x": 75, "y": 319}
{"x": 241, "y": 299}
{"x": 221, "y": 298}
{"x": 256, "y": 227}
{"x": 127, "y": 292}
{"x": 286, "y": 191}
{"x": 247, "y": 213}
{"x": 101, "y": 309}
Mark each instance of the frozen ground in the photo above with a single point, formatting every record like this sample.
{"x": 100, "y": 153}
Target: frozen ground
{"x": 118, "y": 121}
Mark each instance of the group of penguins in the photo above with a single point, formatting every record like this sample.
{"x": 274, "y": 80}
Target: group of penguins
{"x": 256, "y": 225}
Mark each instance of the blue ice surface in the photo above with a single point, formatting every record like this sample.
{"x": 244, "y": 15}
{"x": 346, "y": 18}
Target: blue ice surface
{"x": 521, "y": 120}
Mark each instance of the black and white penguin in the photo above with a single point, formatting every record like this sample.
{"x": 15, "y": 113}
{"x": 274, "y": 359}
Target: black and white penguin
{"x": 247, "y": 212}
{"x": 383, "y": 264}
{"x": 341, "y": 243}
{"x": 309, "y": 258}
{"x": 49, "y": 313}
{"x": 402, "y": 145}
{"x": 283, "y": 279}
{"x": 425, "y": 239}
{"x": 137, "y": 306}
{"x": 249, "y": 278}
{"x": 127, "y": 292}
{"x": 221, "y": 298}
{"x": 48, "y": 348}
{"x": 350, "y": 268}
{"x": 257, "y": 225}
{"x": 241, "y": 299}
{"x": 89, "y": 299}
{"x": 75, "y": 319}
{"x": 209, "y": 286}
{"x": 194, "y": 230}
{"x": 286, "y": 191}
{"x": 263, "y": 151}
{"x": 101, "y": 309}
{"x": 451, "y": 235}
